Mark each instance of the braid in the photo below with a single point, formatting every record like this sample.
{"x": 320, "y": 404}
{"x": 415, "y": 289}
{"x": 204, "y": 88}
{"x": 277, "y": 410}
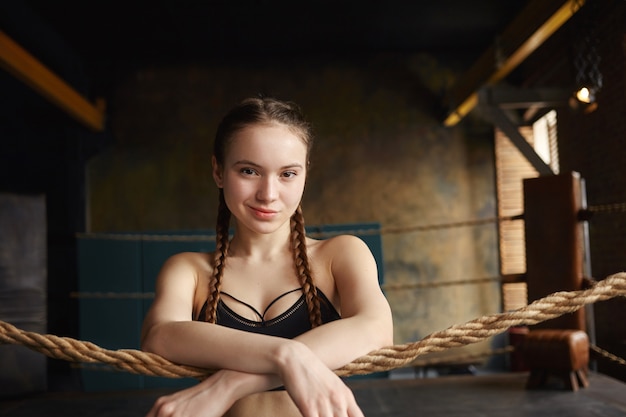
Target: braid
{"x": 303, "y": 269}
{"x": 221, "y": 249}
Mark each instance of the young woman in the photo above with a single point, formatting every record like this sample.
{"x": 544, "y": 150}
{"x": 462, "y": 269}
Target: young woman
{"x": 273, "y": 310}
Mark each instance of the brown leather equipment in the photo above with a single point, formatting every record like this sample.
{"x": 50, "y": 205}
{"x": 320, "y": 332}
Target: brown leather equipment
{"x": 558, "y": 354}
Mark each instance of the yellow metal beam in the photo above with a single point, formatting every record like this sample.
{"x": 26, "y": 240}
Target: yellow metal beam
{"x": 18, "y": 62}
{"x": 488, "y": 70}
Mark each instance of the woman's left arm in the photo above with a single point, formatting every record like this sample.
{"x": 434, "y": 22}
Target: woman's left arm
{"x": 366, "y": 324}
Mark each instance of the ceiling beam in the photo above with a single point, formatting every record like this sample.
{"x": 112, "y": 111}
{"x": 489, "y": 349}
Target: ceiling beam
{"x": 527, "y": 32}
{"x": 22, "y": 65}
{"x": 507, "y": 97}
{"x": 493, "y": 101}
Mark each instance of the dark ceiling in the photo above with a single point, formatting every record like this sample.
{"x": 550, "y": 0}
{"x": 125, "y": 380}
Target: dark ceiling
{"x": 139, "y": 31}
{"x": 89, "y": 43}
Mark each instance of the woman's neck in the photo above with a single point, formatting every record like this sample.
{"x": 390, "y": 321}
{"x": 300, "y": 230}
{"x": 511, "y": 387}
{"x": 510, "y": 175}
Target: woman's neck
{"x": 262, "y": 247}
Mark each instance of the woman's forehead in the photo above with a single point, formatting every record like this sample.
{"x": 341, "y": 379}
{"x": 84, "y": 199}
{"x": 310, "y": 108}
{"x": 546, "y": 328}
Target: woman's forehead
{"x": 273, "y": 137}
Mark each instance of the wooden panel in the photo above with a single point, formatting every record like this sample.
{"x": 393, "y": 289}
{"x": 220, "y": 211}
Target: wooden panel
{"x": 511, "y": 168}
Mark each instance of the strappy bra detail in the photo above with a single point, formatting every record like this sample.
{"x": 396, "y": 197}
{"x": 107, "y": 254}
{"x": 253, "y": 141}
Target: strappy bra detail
{"x": 289, "y": 324}
{"x": 261, "y": 316}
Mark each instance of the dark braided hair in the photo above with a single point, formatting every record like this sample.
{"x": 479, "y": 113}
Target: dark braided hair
{"x": 249, "y": 112}
{"x": 221, "y": 250}
{"x": 303, "y": 270}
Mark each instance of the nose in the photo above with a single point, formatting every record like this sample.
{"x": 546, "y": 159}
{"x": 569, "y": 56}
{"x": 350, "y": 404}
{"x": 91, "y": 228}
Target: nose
{"x": 268, "y": 189}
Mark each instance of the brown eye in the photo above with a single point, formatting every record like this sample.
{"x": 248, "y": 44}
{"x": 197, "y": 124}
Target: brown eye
{"x": 247, "y": 171}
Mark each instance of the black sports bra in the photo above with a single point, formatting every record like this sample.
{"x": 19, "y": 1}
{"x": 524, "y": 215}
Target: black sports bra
{"x": 289, "y": 324}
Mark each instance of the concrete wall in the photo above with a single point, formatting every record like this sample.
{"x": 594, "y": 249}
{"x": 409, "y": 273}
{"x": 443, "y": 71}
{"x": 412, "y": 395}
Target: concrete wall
{"x": 381, "y": 155}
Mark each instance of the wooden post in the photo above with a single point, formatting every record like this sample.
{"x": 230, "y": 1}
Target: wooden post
{"x": 554, "y": 241}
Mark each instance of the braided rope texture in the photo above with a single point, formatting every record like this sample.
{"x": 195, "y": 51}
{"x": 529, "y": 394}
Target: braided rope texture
{"x": 138, "y": 362}
{"x": 607, "y": 355}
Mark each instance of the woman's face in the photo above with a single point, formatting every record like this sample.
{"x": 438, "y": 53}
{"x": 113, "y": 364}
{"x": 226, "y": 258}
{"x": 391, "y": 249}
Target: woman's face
{"x": 263, "y": 176}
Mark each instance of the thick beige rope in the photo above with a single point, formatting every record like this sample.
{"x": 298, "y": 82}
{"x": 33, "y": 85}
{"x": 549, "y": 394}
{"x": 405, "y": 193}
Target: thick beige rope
{"x": 392, "y": 357}
{"x": 546, "y": 308}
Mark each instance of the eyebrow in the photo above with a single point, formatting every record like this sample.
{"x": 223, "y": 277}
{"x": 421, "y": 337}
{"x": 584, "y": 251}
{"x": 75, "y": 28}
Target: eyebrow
{"x": 254, "y": 164}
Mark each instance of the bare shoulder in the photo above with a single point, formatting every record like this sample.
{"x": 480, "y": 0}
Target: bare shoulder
{"x": 176, "y": 292}
{"x": 185, "y": 266}
{"x": 189, "y": 260}
{"x": 342, "y": 246}
{"x": 345, "y": 256}
{"x": 353, "y": 271}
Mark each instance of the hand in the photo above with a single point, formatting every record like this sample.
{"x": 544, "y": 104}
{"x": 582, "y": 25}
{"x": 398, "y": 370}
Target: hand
{"x": 315, "y": 389}
{"x": 210, "y": 398}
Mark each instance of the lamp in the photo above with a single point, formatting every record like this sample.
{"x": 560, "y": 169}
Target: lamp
{"x": 584, "y": 99}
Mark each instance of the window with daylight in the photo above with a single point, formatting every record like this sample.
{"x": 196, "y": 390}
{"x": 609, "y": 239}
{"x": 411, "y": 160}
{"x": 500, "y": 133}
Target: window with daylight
{"x": 511, "y": 168}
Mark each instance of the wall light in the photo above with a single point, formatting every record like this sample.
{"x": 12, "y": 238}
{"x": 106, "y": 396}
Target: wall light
{"x": 586, "y": 95}
{"x": 584, "y": 100}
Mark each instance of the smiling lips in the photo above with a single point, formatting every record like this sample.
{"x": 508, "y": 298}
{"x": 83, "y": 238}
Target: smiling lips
{"x": 263, "y": 213}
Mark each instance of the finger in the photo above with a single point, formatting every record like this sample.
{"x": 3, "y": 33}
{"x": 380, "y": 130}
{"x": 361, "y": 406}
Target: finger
{"x": 355, "y": 411}
{"x": 164, "y": 406}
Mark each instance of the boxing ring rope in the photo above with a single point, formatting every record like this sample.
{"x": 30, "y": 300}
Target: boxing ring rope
{"x": 584, "y": 214}
{"x": 311, "y": 233}
{"x": 138, "y": 362}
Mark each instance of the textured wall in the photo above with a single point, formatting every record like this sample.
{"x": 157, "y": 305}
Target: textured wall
{"x": 381, "y": 155}
{"x": 22, "y": 289}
